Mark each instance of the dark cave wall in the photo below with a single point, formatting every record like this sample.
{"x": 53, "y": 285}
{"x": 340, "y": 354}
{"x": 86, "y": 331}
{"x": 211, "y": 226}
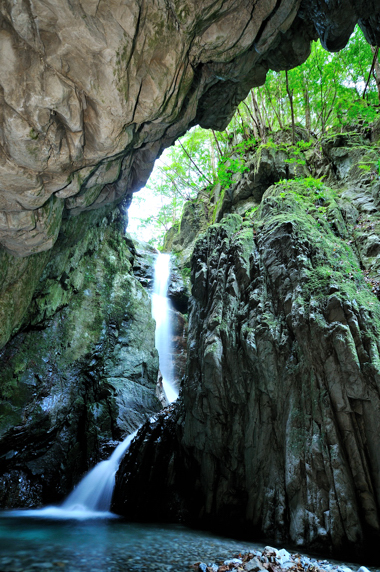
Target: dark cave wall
{"x": 81, "y": 373}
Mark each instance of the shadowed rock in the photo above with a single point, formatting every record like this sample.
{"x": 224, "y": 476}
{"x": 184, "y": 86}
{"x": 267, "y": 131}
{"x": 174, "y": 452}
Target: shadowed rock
{"x": 276, "y": 429}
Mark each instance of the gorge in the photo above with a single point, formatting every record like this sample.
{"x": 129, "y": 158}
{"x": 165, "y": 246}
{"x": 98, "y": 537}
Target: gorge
{"x": 276, "y": 430}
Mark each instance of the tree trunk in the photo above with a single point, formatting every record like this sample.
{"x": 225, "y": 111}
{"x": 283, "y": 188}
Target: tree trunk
{"x": 276, "y": 111}
{"x": 265, "y": 114}
{"x": 251, "y": 115}
{"x": 256, "y": 130}
{"x": 195, "y": 165}
{"x": 376, "y": 71}
{"x": 290, "y": 95}
{"x": 261, "y": 124}
{"x": 375, "y": 52}
{"x": 306, "y": 99}
{"x": 217, "y": 144}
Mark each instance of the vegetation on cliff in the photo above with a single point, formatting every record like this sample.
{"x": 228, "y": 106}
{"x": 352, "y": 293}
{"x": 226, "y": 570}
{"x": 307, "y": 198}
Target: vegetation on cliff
{"x": 328, "y": 93}
{"x": 274, "y": 433}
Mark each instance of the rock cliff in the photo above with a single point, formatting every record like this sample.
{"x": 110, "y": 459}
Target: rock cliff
{"x": 82, "y": 371}
{"x": 276, "y": 429}
{"x": 91, "y": 92}
{"x": 284, "y": 298}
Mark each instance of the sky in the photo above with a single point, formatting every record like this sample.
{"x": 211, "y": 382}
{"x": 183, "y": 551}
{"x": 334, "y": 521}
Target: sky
{"x": 144, "y": 204}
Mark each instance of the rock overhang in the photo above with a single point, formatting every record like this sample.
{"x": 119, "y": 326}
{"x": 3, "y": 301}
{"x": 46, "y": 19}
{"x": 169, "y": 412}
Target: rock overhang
{"x": 92, "y": 92}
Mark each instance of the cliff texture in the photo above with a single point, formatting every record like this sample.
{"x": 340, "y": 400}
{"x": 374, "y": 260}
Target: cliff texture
{"x": 91, "y": 92}
{"x": 81, "y": 374}
{"x": 277, "y": 427}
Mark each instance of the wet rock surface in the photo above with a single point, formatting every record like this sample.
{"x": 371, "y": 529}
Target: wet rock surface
{"x": 179, "y": 289}
{"x": 144, "y": 257}
{"x": 81, "y": 374}
{"x": 275, "y": 431}
{"x": 272, "y": 326}
{"x": 179, "y": 328}
{"x": 276, "y": 560}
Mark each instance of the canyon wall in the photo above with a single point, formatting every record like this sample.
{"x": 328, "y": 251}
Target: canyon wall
{"x": 276, "y": 431}
{"x": 81, "y": 373}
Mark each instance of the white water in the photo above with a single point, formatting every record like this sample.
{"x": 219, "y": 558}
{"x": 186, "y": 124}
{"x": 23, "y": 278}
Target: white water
{"x": 94, "y": 492}
{"x": 93, "y": 495}
{"x": 160, "y": 312}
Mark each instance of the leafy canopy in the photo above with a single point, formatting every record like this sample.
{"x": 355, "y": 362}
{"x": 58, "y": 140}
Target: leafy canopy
{"x": 327, "y": 92}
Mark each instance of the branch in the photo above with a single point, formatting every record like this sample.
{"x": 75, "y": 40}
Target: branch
{"x": 181, "y": 193}
{"x": 371, "y": 70}
{"x": 195, "y": 165}
{"x": 217, "y": 143}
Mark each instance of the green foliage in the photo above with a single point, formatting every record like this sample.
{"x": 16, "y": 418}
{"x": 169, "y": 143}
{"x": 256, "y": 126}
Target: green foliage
{"x": 327, "y": 89}
{"x": 306, "y": 182}
{"x": 326, "y": 95}
{"x": 227, "y": 168}
{"x": 312, "y": 210}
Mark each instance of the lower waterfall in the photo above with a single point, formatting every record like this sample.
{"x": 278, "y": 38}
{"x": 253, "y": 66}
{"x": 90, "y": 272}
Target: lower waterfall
{"x": 92, "y": 497}
{"x": 94, "y": 492}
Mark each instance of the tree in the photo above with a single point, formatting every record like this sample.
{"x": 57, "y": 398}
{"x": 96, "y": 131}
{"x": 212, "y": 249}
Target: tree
{"x": 329, "y": 91}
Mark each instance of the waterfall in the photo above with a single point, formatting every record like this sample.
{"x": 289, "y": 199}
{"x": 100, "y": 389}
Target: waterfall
{"x": 94, "y": 492}
{"x": 93, "y": 495}
{"x": 160, "y": 312}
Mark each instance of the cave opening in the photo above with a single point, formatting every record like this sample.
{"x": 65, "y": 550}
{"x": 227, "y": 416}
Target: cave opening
{"x": 271, "y": 214}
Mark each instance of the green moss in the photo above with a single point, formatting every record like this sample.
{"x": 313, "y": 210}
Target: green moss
{"x": 33, "y": 134}
{"x": 333, "y": 260}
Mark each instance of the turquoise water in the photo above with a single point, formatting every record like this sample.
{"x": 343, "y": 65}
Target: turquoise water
{"x": 31, "y": 545}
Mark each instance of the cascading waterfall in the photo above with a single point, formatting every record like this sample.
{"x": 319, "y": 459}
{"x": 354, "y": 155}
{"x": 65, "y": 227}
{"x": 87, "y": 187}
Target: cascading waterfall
{"x": 94, "y": 492}
{"x": 93, "y": 495}
{"x": 160, "y": 312}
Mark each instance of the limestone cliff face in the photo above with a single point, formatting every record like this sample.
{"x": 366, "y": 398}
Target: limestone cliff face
{"x": 92, "y": 91}
{"x": 81, "y": 374}
{"x": 276, "y": 430}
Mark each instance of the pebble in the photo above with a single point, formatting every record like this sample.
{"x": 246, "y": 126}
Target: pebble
{"x": 285, "y": 559}
{"x": 254, "y": 565}
{"x": 153, "y": 549}
{"x": 256, "y": 561}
